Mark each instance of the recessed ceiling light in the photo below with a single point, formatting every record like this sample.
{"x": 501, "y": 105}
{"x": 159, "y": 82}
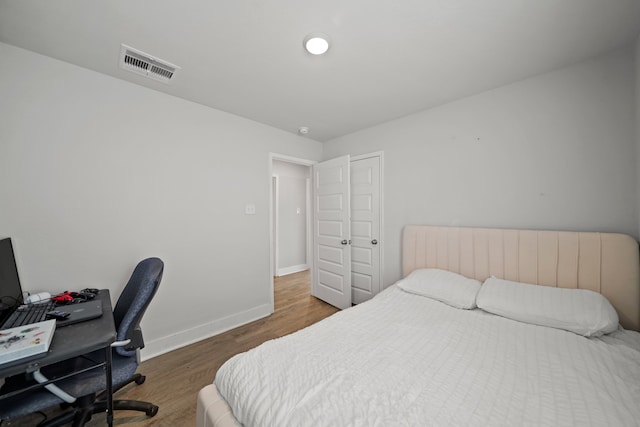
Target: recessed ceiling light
{"x": 303, "y": 130}
{"x": 316, "y": 43}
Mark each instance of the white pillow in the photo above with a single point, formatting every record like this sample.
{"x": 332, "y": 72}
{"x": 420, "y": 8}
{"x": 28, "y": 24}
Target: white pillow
{"x": 445, "y": 286}
{"x": 580, "y": 311}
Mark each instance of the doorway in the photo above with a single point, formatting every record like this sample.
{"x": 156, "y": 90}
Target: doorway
{"x": 362, "y": 278}
{"x": 290, "y": 217}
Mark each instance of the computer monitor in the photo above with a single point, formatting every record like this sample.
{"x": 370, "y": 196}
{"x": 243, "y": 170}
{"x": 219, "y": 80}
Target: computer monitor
{"x": 10, "y": 289}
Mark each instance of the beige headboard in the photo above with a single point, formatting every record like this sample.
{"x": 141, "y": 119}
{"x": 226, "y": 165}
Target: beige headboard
{"x": 607, "y": 263}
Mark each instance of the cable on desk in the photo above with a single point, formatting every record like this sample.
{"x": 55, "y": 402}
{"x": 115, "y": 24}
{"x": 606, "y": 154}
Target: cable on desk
{"x": 37, "y": 375}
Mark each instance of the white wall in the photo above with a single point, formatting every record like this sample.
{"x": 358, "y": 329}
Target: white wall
{"x": 556, "y": 151}
{"x": 292, "y": 216}
{"x": 97, "y": 174}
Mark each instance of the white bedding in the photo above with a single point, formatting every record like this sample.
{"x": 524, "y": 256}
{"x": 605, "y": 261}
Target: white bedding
{"x": 406, "y": 360}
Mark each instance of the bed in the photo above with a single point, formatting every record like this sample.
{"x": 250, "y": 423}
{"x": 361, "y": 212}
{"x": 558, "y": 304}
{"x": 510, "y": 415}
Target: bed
{"x": 544, "y": 348}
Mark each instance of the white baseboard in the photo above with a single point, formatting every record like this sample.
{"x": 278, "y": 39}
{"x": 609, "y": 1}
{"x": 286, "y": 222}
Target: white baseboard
{"x": 292, "y": 269}
{"x": 181, "y": 339}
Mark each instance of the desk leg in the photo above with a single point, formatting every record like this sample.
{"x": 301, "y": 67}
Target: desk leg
{"x": 109, "y": 378}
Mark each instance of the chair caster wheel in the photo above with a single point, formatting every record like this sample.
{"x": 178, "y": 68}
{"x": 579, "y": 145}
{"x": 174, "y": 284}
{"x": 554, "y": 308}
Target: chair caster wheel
{"x": 141, "y": 379}
{"x": 152, "y": 411}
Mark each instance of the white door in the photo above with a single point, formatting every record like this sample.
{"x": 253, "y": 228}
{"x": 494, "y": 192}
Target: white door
{"x": 365, "y": 228}
{"x": 332, "y": 232}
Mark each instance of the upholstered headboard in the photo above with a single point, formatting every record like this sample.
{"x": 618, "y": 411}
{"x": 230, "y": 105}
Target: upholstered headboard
{"x": 607, "y": 263}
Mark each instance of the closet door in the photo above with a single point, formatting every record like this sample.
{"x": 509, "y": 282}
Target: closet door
{"x": 332, "y": 232}
{"x": 366, "y": 240}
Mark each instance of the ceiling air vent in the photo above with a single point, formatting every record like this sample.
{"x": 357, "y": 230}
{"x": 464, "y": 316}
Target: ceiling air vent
{"x": 144, "y": 64}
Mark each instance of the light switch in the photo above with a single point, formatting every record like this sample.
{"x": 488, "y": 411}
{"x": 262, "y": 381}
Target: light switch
{"x": 250, "y": 209}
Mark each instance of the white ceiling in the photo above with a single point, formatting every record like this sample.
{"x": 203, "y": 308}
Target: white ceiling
{"x": 388, "y": 58}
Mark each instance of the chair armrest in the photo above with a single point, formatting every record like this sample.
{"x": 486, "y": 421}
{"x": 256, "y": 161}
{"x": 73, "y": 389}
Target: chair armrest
{"x": 120, "y": 343}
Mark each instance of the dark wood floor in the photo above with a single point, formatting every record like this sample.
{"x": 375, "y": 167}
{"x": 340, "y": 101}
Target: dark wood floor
{"x": 174, "y": 379}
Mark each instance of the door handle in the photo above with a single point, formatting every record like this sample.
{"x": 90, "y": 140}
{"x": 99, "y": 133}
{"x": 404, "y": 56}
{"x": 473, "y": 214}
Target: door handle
{"x": 344, "y": 242}
{"x": 374, "y": 242}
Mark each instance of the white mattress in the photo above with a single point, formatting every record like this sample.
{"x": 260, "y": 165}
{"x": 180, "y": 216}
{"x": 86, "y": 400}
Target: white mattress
{"x": 406, "y": 360}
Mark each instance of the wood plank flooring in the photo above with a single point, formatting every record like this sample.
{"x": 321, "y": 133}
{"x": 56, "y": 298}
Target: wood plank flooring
{"x": 174, "y": 379}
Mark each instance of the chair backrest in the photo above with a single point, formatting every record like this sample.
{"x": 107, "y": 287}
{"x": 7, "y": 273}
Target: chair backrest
{"x": 133, "y": 302}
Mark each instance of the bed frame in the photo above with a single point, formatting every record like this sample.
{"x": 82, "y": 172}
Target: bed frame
{"x": 607, "y": 263}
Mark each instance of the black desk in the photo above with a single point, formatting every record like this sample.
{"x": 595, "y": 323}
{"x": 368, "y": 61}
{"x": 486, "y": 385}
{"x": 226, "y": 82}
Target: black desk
{"x": 75, "y": 340}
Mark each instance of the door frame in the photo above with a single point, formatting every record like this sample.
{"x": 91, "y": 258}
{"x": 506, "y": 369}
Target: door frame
{"x": 309, "y": 163}
{"x": 274, "y": 221}
{"x": 298, "y": 161}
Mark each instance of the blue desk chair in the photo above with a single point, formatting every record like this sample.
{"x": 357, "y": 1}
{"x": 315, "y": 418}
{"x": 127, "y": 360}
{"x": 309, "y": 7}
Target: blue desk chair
{"x": 89, "y": 387}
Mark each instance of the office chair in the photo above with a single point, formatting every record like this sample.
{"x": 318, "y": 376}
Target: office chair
{"x": 90, "y": 386}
